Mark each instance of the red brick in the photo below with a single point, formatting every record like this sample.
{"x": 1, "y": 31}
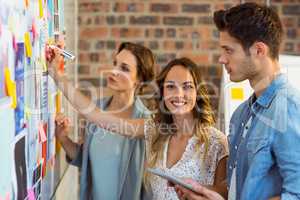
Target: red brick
{"x": 93, "y": 33}
{"x": 199, "y": 59}
{"x": 128, "y": 7}
{"x": 164, "y": 7}
{"x": 94, "y": 7}
{"x": 195, "y": 8}
{"x": 126, "y": 32}
{"x": 288, "y": 21}
{"x": 83, "y": 58}
{"x": 177, "y": 45}
{"x": 154, "y": 32}
{"x": 209, "y": 45}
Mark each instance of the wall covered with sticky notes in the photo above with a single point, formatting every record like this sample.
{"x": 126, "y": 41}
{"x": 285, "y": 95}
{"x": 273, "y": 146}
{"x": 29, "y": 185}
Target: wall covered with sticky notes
{"x": 28, "y": 99}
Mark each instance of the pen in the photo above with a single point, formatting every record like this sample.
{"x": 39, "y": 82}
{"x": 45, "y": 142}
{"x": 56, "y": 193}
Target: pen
{"x": 63, "y": 52}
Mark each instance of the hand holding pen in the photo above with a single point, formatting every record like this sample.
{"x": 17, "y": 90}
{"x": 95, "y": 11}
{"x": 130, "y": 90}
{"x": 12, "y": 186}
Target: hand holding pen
{"x": 55, "y": 59}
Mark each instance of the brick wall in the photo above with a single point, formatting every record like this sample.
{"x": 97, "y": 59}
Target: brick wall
{"x": 170, "y": 28}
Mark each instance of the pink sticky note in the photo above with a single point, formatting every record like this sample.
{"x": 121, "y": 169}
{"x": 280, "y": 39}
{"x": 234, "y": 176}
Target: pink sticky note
{"x": 34, "y": 32}
{"x": 15, "y": 43}
{"x": 31, "y": 195}
{"x": 7, "y": 196}
{"x": 42, "y": 134}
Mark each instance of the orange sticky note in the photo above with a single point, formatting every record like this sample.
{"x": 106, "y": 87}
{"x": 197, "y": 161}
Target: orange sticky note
{"x": 26, "y": 3}
{"x": 57, "y": 147}
{"x": 10, "y": 87}
{"x": 58, "y": 102}
{"x": 41, "y": 8}
{"x": 28, "y": 46}
{"x": 237, "y": 93}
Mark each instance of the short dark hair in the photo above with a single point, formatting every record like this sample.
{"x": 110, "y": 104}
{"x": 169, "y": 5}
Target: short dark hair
{"x": 251, "y": 22}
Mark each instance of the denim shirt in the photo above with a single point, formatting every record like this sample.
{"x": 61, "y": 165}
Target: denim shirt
{"x": 130, "y": 163}
{"x": 267, "y": 160}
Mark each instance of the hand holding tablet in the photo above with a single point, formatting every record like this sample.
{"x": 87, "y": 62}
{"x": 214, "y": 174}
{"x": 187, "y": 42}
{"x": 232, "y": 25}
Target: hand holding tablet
{"x": 171, "y": 178}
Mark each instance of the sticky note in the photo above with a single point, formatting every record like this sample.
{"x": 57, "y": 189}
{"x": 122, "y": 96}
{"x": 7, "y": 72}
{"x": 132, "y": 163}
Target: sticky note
{"x": 61, "y": 66}
{"x": 42, "y": 133}
{"x": 41, "y": 8}
{"x": 15, "y": 43}
{"x": 27, "y": 112}
{"x": 237, "y": 93}
{"x": 58, "y": 102}
{"x": 43, "y": 63}
{"x": 26, "y": 3}
{"x": 10, "y": 87}
{"x": 44, "y": 156}
{"x": 57, "y": 147}
{"x": 34, "y": 32}
{"x": 31, "y": 195}
{"x": 28, "y": 46}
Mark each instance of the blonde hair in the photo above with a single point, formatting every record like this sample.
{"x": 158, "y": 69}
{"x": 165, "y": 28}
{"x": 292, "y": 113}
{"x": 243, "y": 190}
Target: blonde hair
{"x": 202, "y": 112}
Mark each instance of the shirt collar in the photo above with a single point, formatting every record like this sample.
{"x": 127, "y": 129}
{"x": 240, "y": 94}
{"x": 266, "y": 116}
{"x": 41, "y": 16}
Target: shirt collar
{"x": 267, "y": 96}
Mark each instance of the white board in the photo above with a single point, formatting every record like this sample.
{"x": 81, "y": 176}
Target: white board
{"x": 236, "y": 93}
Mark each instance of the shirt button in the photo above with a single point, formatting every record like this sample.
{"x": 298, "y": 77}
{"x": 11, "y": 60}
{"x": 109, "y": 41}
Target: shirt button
{"x": 242, "y": 124}
{"x": 230, "y": 167}
{"x": 235, "y": 147}
{"x": 246, "y": 127}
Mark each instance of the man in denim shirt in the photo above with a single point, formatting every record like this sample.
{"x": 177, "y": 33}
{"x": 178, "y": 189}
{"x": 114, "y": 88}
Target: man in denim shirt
{"x": 264, "y": 139}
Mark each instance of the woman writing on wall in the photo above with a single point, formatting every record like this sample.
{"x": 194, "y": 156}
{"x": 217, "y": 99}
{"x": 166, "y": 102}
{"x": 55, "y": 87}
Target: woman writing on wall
{"x": 111, "y": 165}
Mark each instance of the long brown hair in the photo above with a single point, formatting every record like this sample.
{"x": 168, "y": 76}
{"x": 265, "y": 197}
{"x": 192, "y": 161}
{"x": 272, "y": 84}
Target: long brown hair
{"x": 202, "y": 113}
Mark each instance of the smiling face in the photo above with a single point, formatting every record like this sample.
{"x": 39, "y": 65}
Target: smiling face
{"x": 123, "y": 77}
{"x": 238, "y": 64}
{"x": 179, "y": 91}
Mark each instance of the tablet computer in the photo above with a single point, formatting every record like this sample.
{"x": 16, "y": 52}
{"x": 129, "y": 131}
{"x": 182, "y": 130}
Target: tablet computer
{"x": 171, "y": 178}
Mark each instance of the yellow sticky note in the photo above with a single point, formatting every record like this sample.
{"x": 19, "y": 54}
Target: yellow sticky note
{"x": 237, "y": 93}
{"x": 12, "y": 91}
{"x": 41, "y": 8}
{"x": 58, "y": 102}
{"x": 28, "y": 46}
{"x": 11, "y": 87}
{"x": 44, "y": 66}
{"x": 27, "y": 112}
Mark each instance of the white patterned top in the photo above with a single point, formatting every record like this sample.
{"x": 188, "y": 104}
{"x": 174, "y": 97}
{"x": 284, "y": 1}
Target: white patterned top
{"x": 191, "y": 164}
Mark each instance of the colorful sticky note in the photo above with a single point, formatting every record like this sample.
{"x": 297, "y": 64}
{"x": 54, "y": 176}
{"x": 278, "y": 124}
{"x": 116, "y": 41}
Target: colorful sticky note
{"x": 42, "y": 134}
{"x": 43, "y": 63}
{"x": 33, "y": 30}
{"x": 26, "y": 3}
{"x": 31, "y": 195}
{"x": 57, "y": 146}
{"x": 44, "y": 156}
{"x": 28, "y": 46}
{"x": 41, "y": 8}
{"x": 237, "y": 93}
{"x": 15, "y": 43}
{"x": 58, "y": 102}
{"x": 10, "y": 87}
